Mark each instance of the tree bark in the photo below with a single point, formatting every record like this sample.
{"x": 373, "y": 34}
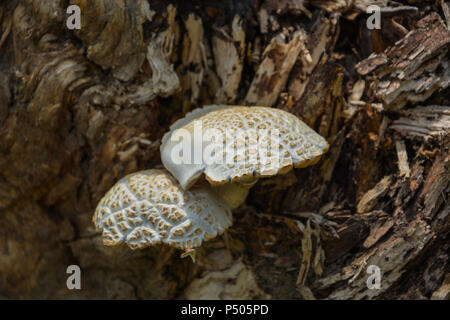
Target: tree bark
{"x": 79, "y": 109}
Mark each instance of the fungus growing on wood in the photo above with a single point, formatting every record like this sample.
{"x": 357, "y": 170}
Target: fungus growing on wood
{"x": 149, "y": 207}
{"x": 233, "y": 146}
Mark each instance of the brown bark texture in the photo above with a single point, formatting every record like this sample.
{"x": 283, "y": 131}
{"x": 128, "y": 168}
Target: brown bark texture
{"x": 79, "y": 109}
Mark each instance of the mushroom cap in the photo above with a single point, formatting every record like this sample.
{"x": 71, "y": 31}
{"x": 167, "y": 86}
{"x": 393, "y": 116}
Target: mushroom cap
{"x": 245, "y": 138}
{"x": 149, "y": 207}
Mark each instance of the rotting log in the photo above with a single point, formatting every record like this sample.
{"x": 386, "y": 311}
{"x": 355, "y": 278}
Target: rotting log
{"x": 80, "y": 109}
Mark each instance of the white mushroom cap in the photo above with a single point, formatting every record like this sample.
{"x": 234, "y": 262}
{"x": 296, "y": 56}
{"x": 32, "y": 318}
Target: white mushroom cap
{"x": 149, "y": 207}
{"x": 246, "y": 131}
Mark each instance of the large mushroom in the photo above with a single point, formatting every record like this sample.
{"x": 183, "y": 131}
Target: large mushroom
{"x": 234, "y": 146}
{"x": 149, "y": 207}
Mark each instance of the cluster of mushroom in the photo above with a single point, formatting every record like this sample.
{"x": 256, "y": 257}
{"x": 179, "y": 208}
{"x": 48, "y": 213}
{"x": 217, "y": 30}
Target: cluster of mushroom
{"x": 212, "y": 156}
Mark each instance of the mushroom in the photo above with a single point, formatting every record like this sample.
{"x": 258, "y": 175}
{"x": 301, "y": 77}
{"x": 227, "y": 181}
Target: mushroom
{"x": 234, "y": 146}
{"x": 149, "y": 207}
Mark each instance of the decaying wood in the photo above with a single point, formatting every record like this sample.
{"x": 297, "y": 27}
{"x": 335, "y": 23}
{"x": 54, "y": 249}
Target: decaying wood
{"x": 323, "y": 111}
{"x": 427, "y": 122}
{"x": 311, "y": 259}
{"x": 217, "y": 285}
{"x": 320, "y": 40}
{"x": 80, "y": 109}
{"x": 371, "y": 197}
{"x": 402, "y": 156}
{"x": 277, "y": 61}
{"x": 123, "y": 53}
{"x": 229, "y": 53}
{"x": 165, "y": 81}
{"x": 413, "y": 69}
{"x": 193, "y": 61}
{"x": 443, "y": 293}
{"x": 393, "y": 252}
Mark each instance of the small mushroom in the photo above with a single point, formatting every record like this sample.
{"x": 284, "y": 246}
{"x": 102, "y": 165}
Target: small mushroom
{"x": 233, "y": 146}
{"x": 149, "y": 207}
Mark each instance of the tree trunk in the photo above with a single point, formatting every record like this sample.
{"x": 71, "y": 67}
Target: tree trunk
{"x": 80, "y": 109}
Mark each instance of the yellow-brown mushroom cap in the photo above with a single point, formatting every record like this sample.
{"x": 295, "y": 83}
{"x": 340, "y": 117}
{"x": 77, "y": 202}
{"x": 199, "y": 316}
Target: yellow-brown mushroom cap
{"x": 149, "y": 207}
{"x": 244, "y": 138}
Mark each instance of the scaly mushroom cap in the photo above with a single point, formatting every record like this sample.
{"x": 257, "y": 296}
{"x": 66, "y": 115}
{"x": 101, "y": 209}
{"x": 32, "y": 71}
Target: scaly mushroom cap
{"x": 248, "y": 133}
{"x": 149, "y": 207}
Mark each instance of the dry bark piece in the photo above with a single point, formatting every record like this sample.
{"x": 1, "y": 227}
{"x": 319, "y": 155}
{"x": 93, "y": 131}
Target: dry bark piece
{"x": 377, "y": 231}
{"x": 149, "y": 207}
{"x": 165, "y": 81}
{"x": 357, "y": 91}
{"x": 193, "y": 61}
{"x": 229, "y": 59}
{"x": 414, "y": 68}
{"x": 437, "y": 187}
{"x": 402, "y": 155}
{"x": 426, "y": 122}
{"x": 320, "y": 39}
{"x": 370, "y": 198}
{"x": 313, "y": 255}
{"x": 263, "y": 18}
{"x": 277, "y": 61}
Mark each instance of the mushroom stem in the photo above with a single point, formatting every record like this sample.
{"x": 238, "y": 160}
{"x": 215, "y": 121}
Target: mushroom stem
{"x": 235, "y": 193}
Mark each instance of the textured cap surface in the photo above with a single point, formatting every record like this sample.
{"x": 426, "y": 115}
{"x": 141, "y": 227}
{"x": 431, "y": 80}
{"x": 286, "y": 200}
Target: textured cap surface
{"x": 245, "y": 138}
{"x": 149, "y": 207}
